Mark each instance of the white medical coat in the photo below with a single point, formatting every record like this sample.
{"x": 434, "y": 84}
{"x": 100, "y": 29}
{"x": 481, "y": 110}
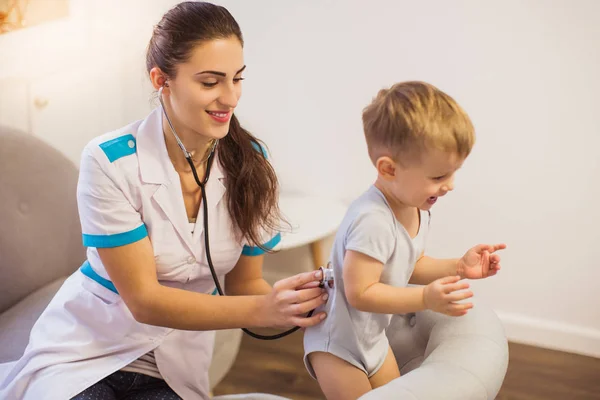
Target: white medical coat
{"x": 128, "y": 189}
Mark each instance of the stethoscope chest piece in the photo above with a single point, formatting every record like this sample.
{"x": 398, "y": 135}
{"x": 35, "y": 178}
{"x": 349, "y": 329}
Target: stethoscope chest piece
{"x": 327, "y": 276}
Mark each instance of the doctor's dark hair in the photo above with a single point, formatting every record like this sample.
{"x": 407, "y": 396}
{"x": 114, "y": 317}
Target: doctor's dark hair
{"x": 251, "y": 182}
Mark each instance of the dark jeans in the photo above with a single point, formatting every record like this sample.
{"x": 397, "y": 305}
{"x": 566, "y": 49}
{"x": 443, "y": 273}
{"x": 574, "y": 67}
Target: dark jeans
{"x": 128, "y": 386}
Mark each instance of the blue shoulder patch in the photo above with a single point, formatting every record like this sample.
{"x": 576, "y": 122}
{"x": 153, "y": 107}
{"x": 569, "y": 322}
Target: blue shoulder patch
{"x": 119, "y": 147}
{"x": 260, "y": 148}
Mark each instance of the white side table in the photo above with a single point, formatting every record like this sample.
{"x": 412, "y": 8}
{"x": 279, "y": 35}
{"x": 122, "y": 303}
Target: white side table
{"x": 312, "y": 219}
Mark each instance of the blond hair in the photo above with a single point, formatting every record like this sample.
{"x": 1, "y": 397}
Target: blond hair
{"x": 410, "y": 117}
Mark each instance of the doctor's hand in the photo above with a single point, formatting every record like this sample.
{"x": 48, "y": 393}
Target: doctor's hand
{"x": 291, "y": 299}
{"x": 480, "y": 261}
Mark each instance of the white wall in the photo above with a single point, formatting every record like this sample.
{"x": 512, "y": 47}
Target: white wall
{"x": 526, "y": 71}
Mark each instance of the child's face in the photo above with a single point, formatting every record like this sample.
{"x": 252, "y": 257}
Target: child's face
{"x": 423, "y": 182}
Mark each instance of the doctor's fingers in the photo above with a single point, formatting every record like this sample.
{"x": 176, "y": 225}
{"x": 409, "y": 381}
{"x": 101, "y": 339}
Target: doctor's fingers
{"x": 297, "y": 281}
{"x": 309, "y": 285}
{"x": 300, "y": 296}
{"x": 287, "y": 297}
{"x": 306, "y": 306}
{"x": 311, "y": 321}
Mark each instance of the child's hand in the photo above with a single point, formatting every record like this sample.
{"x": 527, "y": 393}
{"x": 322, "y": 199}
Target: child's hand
{"x": 440, "y": 296}
{"x": 480, "y": 262}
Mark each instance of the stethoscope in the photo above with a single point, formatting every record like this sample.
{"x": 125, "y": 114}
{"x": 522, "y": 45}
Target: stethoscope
{"x": 327, "y": 273}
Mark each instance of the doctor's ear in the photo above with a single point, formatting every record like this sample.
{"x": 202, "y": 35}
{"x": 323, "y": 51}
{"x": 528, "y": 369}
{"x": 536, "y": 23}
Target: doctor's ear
{"x": 158, "y": 78}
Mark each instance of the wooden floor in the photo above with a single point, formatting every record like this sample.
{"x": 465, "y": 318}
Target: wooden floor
{"x": 533, "y": 374}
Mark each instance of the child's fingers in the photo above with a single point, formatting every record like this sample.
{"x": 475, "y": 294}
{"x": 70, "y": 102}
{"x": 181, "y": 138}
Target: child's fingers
{"x": 481, "y": 247}
{"x": 459, "y": 308}
{"x": 494, "y": 268}
{"x": 497, "y": 247}
{"x": 453, "y": 287}
{"x": 449, "y": 279}
{"x": 485, "y": 262}
{"x": 458, "y": 296}
{"x": 489, "y": 247}
{"x": 458, "y": 313}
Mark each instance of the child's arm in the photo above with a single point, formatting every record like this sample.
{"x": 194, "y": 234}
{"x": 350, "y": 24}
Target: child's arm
{"x": 365, "y": 293}
{"x": 477, "y": 263}
{"x": 429, "y": 269}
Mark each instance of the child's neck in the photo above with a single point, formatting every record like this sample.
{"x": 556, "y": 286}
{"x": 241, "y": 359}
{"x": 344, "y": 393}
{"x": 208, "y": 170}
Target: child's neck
{"x": 402, "y": 212}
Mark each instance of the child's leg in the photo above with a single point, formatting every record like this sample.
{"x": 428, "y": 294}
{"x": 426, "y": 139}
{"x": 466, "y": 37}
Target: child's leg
{"x": 339, "y": 380}
{"x": 388, "y": 371}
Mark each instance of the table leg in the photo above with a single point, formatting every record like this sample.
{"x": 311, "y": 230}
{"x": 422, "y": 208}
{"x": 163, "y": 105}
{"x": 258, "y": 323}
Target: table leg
{"x": 316, "y": 250}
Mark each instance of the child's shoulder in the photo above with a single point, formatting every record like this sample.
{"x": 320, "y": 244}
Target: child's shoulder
{"x": 369, "y": 226}
{"x": 370, "y": 204}
{"x": 372, "y": 198}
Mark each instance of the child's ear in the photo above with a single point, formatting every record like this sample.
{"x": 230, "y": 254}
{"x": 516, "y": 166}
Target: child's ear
{"x": 386, "y": 167}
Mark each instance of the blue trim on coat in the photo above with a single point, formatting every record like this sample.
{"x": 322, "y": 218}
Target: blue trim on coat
{"x": 116, "y": 240}
{"x": 257, "y": 251}
{"x": 88, "y": 271}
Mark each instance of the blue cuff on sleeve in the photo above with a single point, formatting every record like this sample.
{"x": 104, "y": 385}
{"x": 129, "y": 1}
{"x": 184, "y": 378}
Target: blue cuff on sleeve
{"x": 116, "y": 240}
{"x": 257, "y": 251}
{"x": 87, "y": 270}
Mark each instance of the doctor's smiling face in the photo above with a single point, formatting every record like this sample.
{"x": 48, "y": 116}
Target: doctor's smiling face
{"x": 196, "y": 55}
{"x": 206, "y": 88}
{"x": 195, "y": 58}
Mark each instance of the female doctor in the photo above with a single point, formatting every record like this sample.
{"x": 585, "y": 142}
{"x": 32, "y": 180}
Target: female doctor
{"x": 137, "y": 320}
